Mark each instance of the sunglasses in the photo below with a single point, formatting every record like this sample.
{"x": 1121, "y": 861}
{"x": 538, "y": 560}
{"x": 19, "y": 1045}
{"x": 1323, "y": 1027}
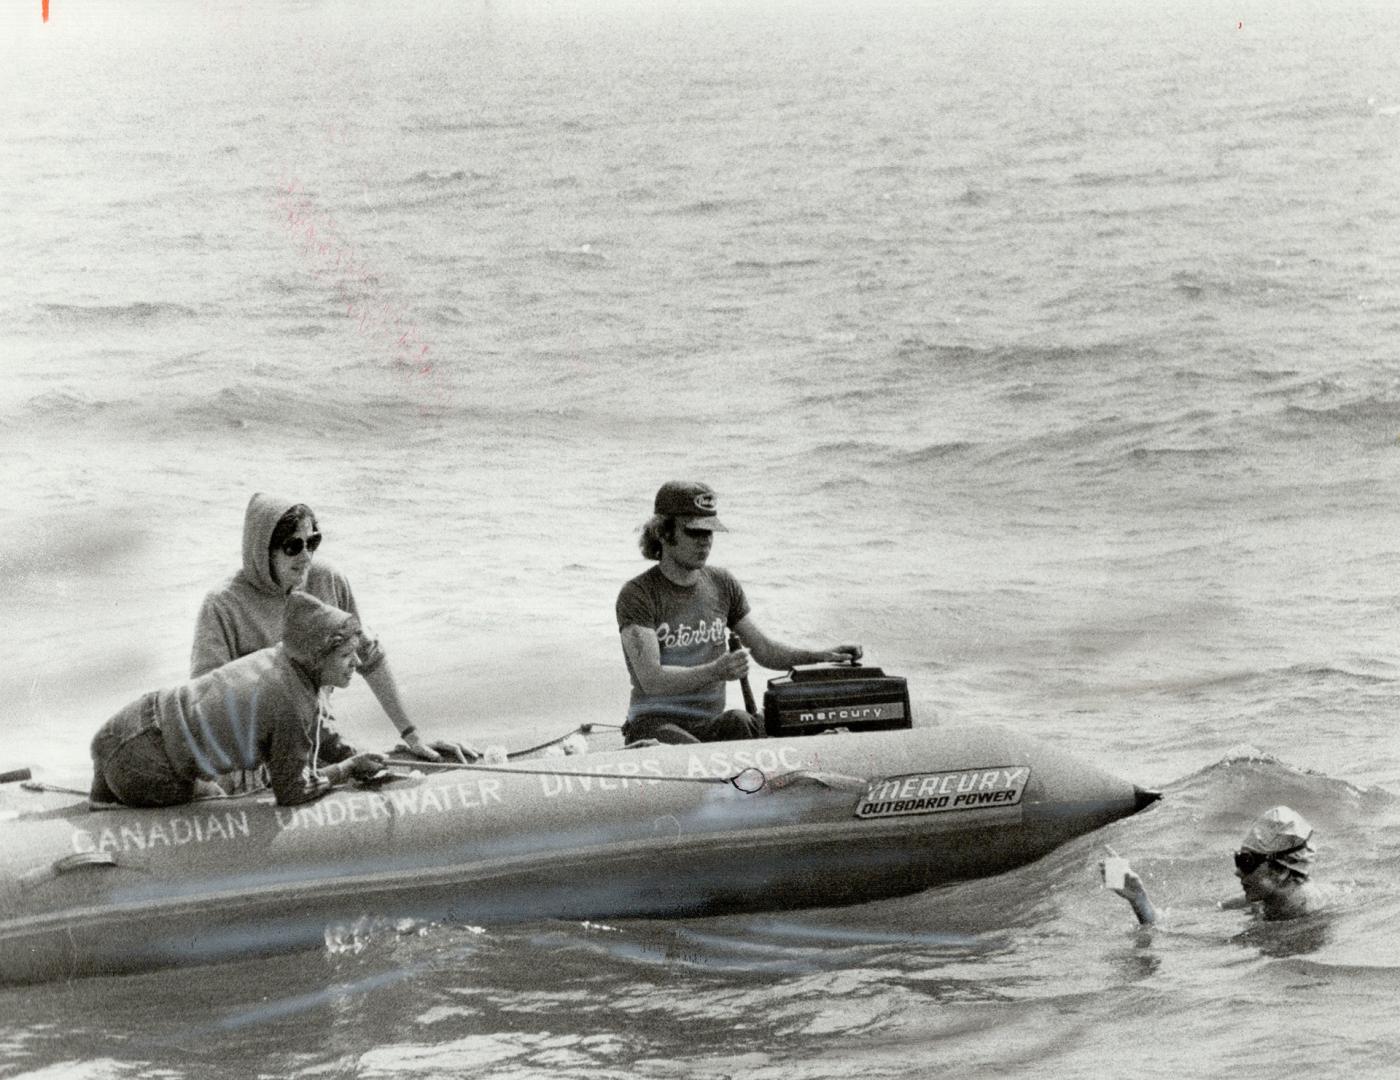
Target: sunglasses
{"x": 698, "y": 534}
{"x": 291, "y": 547}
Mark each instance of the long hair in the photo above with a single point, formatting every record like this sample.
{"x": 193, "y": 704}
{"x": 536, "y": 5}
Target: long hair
{"x": 660, "y": 527}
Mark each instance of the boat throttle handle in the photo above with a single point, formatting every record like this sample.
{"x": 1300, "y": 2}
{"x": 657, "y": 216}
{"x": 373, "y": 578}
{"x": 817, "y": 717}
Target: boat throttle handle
{"x": 734, "y": 646}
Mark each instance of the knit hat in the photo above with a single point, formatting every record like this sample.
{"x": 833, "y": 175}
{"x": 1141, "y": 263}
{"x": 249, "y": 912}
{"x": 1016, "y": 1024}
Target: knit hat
{"x": 310, "y": 628}
{"x": 1285, "y": 836}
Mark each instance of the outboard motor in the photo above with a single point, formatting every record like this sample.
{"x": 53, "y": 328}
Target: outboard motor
{"x": 836, "y": 697}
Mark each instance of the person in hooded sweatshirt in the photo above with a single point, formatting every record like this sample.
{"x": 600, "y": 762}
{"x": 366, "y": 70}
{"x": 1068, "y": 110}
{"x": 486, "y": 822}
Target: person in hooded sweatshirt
{"x": 1273, "y": 865}
{"x": 280, "y": 540}
{"x": 266, "y": 708}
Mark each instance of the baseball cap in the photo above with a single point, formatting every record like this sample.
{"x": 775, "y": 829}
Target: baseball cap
{"x": 688, "y": 499}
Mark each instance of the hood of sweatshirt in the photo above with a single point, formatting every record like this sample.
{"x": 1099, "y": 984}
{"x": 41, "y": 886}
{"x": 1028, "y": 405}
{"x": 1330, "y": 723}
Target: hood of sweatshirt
{"x": 261, "y": 517}
{"x": 310, "y": 628}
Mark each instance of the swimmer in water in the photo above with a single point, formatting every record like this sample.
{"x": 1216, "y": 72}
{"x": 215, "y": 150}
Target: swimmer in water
{"x": 1273, "y": 864}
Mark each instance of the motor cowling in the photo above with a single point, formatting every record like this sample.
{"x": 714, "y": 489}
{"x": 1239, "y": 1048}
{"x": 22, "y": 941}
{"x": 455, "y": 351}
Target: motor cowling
{"x": 836, "y": 697}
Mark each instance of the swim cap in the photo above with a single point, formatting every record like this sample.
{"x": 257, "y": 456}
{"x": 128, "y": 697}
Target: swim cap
{"x": 1285, "y": 836}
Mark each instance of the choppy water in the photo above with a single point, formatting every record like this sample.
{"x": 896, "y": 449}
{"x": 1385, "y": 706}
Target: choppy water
{"x": 1047, "y": 350}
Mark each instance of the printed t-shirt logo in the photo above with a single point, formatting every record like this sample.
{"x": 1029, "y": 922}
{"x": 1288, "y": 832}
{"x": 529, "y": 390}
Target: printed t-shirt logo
{"x": 684, "y": 634}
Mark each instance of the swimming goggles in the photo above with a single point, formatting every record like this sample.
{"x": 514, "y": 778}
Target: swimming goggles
{"x": 1246, "y": 861}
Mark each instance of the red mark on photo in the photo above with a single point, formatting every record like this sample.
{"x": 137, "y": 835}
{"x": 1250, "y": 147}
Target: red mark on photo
{"x": 356, "y": 286}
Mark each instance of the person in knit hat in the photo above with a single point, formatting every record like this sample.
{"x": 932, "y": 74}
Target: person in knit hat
{"x": 280, "y": 543}
{"x": 266, "y": 708}
{"x": 1273, "y": 864}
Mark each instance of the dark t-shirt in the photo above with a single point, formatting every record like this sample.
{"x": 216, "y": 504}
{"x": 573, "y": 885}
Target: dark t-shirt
{"x": 690, "y": 623}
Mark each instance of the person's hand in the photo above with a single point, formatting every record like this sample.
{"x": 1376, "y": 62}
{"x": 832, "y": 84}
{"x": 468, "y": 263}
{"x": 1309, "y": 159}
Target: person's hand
{"x": 363, "y": 766}
{"x": 845, "y": 653}
{"x": 1135, "y": 892}
{"x": 733, "y": 665}
{"x": 419, "y": 749}
{"x": 1133, "y": 889}
{"x": 461, "y": 753}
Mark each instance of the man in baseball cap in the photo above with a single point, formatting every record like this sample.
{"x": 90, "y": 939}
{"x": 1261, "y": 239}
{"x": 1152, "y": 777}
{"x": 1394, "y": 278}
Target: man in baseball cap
{"x": 674, "y": 620}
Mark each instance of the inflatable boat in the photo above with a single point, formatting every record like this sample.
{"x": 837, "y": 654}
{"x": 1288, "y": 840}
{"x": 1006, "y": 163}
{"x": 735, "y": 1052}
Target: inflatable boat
{"x": 768, "y": 824}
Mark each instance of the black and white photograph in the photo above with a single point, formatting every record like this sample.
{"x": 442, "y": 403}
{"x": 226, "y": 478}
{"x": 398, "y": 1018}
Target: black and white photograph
{"x": 699, "y": 539}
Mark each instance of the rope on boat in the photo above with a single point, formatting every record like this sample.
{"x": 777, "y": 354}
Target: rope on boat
{"x": 36, "y": 785}
{"x": 748, "y": 780}
{"x": 582, "y": 729}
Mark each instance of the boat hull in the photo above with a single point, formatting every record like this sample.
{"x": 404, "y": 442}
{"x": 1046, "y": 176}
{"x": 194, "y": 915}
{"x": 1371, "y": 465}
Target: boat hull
{"x": 838, "y": 819}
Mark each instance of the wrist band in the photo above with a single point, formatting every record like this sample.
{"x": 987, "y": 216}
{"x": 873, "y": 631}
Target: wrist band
{"x": 406, "y": 732}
